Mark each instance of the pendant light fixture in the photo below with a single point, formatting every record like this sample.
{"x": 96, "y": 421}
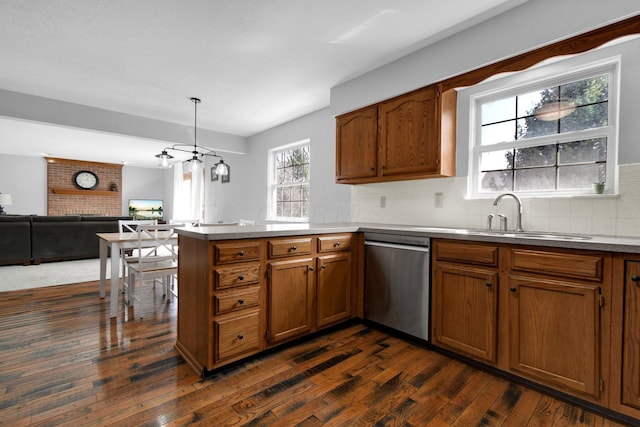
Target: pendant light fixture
{"x": 195, "y": 162}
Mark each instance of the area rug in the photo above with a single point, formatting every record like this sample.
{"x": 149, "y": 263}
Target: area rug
{"x": 16, "y": 277}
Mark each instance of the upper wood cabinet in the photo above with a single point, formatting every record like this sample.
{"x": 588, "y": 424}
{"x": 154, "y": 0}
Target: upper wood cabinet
{"x": 357, "y": 144}
{"x": 407, "y": 137}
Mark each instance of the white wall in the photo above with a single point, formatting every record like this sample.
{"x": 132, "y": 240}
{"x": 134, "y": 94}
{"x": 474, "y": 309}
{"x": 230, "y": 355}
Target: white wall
{"x": 25, "y": 178}
{"x": 246, "y": 195}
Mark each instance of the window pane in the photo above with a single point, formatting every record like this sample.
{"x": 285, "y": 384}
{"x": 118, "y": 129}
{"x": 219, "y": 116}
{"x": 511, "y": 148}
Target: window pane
{"x": 580, "y": 176}
{"x": 499, "y": 132}
{"x": 535, "y": 179}
{"x": 536, "y": 156}
{"x": 286, "y": 209}
{"x": 529, "y": 102}
{"x": 296, "y": 210}
{"x": 588, "y": 91}
{"x": 590, "y": 150}
{"x": 530, "y": 127}
{"x": 295, "y": 193}
{"x": 496, "y": 160}
{"x": 279, "y": 208}
{"x": 586, "y": 117}
{"x": 305, "y": 209}
{"x": 497, "y": 111}
{"x": 497, "y": 181}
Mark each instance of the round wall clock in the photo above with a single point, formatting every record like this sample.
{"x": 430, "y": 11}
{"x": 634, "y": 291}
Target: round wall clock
{"x": 85, "y": 180}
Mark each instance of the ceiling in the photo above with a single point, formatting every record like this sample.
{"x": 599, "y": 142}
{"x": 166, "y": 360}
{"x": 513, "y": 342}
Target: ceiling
{"x": 254, "y": 63}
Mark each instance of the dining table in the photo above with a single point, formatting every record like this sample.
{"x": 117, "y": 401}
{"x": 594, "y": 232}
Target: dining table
{"x": 116, "y": 242}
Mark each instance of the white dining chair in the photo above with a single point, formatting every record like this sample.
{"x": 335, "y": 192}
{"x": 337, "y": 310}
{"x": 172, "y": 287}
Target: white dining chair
{"x": 161, "y": 262}
{"x": 129, "y": 226}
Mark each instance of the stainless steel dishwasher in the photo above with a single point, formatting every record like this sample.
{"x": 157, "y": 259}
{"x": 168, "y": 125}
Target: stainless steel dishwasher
{"x": 396, "y": 292}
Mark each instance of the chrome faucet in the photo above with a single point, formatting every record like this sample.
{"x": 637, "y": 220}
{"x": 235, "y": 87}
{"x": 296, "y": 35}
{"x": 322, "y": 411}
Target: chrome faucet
{"x": 519, "y": 203}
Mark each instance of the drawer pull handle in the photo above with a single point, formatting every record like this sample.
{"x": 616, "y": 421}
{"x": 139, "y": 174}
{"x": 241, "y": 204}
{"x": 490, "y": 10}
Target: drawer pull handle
{"x": 293, "y": 248}
{"x": 241, "y": 253}
{"x": 241, "y": 277}
{"x": 512, "y": 289}
{"x": 240, "y": 301}
{"x": 635, "y": 278}
{"x": 240, "y": 337}
{"x": 336, "y": 244}
{"x": 489, "y": 284}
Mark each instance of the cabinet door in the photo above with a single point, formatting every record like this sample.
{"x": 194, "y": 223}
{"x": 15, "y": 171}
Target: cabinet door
{"x": 631, "y": 336}
{"x": 465, "y": 310}
{"x": 333, "y": 289}
{"x": 356, "y": 144}
{"x": 409, "y": 129}
{"x": 291, "y": 293}
{"x": 554, "y": 333}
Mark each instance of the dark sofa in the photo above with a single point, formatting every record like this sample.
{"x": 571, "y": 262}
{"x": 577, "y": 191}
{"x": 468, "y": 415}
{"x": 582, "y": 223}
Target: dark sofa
{"x": 60, "y": 238}
{"x": 15, "y": 239}
{"x": 34, "y": 239}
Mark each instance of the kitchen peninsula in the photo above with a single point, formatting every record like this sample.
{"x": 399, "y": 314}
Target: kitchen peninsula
{"x": 557, "y": 311}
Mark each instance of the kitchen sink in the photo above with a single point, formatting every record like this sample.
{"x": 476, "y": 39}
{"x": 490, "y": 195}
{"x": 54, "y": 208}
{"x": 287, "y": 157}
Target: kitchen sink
{"x": 524, "y": 234}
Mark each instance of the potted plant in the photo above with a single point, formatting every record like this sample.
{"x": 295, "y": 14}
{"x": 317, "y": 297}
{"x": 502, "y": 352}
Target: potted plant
{"x": 598, "y": 187}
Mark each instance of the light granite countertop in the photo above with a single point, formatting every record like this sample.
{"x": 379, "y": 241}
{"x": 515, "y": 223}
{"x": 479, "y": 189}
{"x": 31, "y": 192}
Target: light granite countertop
{"x": 549, "y": 239}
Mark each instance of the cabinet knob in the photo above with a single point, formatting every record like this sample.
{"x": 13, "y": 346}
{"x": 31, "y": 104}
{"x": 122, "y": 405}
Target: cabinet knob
{"x": 512, "y": 289}
{"x": 635, "y": 278}
{"x": 241, "y": 277}
{"x": 323, "y": 266}
{"x": 489, "y": 284}
{"x": 293, "y": 248}
{"x": 240, "y": 301}
{"x": 310, "y": 268}
{"x": 241, "y": 253}
{"x": 336, "y": 244}
{"x": 240, "y": 337}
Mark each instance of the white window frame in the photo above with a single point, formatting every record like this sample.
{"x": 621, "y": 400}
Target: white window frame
{"x": 545, "y": 76}
{"x": 272, "y": 182}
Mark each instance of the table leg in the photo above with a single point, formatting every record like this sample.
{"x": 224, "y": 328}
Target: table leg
{"x": 103, "y": 267}
{"x": 115, "y": 279}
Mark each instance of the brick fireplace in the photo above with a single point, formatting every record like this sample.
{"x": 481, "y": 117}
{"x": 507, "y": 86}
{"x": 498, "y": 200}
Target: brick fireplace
{"x": 64, "y": 198}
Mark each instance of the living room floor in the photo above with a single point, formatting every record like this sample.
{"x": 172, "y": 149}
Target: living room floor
{"x": 63, "y": 361}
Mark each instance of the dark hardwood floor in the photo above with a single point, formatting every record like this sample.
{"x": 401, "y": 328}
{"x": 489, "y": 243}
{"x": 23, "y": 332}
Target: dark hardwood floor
{"x": 64, "y": 362}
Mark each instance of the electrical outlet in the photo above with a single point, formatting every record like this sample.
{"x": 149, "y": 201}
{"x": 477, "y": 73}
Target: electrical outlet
{"x": 438, "y": 200}
{"x": 383, "y": 201}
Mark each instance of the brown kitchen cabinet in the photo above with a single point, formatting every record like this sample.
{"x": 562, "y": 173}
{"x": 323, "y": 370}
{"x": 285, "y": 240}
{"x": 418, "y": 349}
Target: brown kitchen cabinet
{"x": 357, "y": 144}
{"x": 291, "y": 289}
{"x": 465, "y": 299}
{"x": 412, "y": 137}
{"x": 555, "y": 306}
{"x": 538, "y": 313}
{"x": 307, "y": 293}
{"x": 625, "y": 342}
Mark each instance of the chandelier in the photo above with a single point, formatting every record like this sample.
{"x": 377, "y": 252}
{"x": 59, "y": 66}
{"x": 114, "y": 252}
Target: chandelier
{"x": 195, "y": 162}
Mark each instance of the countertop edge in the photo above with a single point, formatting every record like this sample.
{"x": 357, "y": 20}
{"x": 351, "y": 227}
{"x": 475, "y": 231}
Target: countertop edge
{"x": 596, "y": 242}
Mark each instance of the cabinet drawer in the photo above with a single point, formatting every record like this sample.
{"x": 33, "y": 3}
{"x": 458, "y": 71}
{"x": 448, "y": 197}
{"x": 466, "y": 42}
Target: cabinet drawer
{"x": 578, "y": 266}
{"x": 228, "y": 301}
{"x": 239, "y": 275}
{"x": 289, "y": 247}
{"x": 237, "y": 335}
{"x": 226, "y": 253}
{"x": 334, "y": 243}
{"x": 472, "y": 253}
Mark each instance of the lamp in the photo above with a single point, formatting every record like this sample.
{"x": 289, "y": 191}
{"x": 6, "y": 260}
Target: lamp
{"x": 195, "y": 163}
{"x": 554, "y": 110}
{"x": 5, "y": 199}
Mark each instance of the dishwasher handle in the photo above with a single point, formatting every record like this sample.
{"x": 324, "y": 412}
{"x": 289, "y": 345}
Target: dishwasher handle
{"x": 396, "y": 246}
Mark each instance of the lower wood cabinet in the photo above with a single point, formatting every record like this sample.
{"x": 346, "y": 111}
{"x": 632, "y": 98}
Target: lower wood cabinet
{"x": 240, "y": 297}
{"x": 554, "y": 333}
{"x": 465, "y": 310}
{"x": 538, "y": 313}
{"x": 291, "y": 299}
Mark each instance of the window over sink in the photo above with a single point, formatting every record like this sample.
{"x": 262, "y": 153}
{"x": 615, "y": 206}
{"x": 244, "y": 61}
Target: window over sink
{"x": 544, "y": 132}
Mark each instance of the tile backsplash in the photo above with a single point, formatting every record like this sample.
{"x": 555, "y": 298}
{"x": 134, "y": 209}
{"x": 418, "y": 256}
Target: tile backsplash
{"x": 414, "y": 202}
